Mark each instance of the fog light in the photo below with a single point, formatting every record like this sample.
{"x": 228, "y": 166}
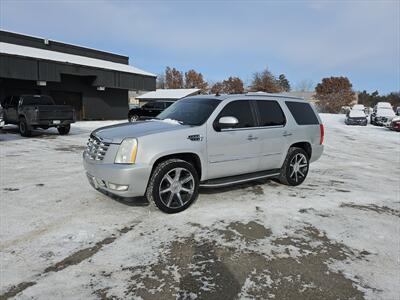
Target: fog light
{"x": 117, "y": 187}
{"x": 100, "y": 182}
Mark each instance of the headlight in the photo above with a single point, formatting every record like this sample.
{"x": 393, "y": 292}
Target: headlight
{"x": 127, "y": 152}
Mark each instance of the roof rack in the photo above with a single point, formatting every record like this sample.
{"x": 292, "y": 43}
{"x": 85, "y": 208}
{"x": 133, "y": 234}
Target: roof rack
{"x": 264, "y": 94}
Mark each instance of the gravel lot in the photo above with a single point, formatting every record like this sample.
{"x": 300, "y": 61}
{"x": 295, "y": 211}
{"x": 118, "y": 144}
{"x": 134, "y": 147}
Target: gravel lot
{"x": 334, "y": 237}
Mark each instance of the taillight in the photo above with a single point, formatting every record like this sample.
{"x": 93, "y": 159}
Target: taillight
{"x": 322, "y": 133}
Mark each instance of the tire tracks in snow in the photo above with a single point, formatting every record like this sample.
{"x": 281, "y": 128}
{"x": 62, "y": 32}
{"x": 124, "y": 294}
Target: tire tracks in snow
{"x": 71, "y": 260}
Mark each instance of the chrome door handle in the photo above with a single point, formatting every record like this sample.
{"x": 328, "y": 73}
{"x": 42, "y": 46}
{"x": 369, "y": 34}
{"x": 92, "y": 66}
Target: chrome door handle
{"x": 287, "y": 134}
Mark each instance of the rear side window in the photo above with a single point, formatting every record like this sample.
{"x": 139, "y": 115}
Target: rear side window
{"x": 302, "y": 113}
{"x": 241, "y": 110}
{"x": 270, "y": 113}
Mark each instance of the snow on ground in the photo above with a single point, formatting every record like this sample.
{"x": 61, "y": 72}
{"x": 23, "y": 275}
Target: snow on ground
{"x": 335, "y": 236}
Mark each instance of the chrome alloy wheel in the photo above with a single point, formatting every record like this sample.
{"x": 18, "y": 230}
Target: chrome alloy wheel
{"x": 176, "y": 187}
{"x": 133, "y": 118}
{"x": 298, "y": 167}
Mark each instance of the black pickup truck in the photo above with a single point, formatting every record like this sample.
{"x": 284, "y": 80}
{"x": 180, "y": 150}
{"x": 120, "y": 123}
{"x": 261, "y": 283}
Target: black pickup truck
{"x": 37, "y": 111}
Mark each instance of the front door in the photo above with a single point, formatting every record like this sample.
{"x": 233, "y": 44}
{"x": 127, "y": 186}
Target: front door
{"x": 235, "y": 150}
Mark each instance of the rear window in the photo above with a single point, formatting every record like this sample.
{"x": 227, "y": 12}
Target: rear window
{"x": 270, "y": 113}
{"x": 302, "y": 113}
{"x": 37, "y": 100}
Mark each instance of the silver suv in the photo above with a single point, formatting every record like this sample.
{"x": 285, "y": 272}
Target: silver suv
{"x": 205, "y": 141}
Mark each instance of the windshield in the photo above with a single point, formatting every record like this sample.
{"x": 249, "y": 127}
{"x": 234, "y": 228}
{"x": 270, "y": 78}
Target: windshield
{"x": 37, "y": 100}
{"x": 190, "y": 111}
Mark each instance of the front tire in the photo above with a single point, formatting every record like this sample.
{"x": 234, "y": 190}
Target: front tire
{"x": 24, "y": 128}
{"x": 295, "y": 167}
{"x": 63, "y": 130}
{"x": 173, "y": 185}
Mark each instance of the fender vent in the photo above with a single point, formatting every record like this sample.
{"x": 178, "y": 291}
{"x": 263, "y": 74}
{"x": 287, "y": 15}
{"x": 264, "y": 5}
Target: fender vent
{"x": 195, "y": 138}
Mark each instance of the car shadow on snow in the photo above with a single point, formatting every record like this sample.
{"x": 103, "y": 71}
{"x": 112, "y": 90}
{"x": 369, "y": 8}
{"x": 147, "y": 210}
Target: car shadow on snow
{"x": 11, "y": 133}
{"x": 131, "y": 201}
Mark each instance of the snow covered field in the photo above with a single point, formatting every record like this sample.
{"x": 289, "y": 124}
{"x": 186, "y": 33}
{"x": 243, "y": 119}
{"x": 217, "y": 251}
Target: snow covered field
{"x": 337, "y": 236}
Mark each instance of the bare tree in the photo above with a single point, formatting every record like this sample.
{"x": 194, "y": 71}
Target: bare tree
{"x": 173, "y": 78}
{"x": 195, "y": 80}
{"x": 305, "y": 85}
{"x": 233, "y": 85}
{"x": 265, "y": 81}
{"x": 333, "y": 93}
{"x": 217, "y": 88}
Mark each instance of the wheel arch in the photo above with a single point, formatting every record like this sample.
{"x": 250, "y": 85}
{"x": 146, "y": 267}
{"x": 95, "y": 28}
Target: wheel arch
{"x": 306, "y": 146}
{"x": 190, "y": 157}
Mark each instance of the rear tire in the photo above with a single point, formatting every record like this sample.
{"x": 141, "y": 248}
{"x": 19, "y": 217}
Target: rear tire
{"x": 133, "y": 118}
{"x": 295, "y": 167}
{"x": 173, "y": 186}
{"x": 63, "y": 130}
{"x": 24, "y": 128}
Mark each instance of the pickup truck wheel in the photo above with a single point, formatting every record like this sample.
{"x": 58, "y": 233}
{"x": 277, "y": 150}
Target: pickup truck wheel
{"x": 24, "y": 128}
{"x": 62, "y": 130}
{"x": 173, "y": 185}
{"x": 133, "y": 118}
{"x": 295, "y": 168}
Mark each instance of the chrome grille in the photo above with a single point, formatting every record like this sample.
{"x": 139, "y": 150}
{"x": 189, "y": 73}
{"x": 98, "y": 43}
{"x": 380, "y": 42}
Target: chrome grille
{"x": 96, "y": 149}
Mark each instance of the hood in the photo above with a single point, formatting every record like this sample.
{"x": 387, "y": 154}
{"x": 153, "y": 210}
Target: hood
{"x": 116, "y": 133}
{"x": 357, "y": 114}
{"x": 385, "y": 112}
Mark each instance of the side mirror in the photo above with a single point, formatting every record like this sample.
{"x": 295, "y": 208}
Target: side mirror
{"x": 227, "y": 122}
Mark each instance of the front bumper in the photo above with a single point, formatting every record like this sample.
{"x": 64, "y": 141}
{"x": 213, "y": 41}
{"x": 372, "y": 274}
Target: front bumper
{"x": 100, "y": 175}
{"x": 356, "y": 121}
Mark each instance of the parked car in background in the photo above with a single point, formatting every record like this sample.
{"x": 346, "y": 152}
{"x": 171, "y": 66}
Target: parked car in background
{"x": 383, "y": 112}
{"x": 356, "y": 116}
{"x": 209, "y": 141}
{"x": 394, "y": 124}
{"x": 398, "y": 111}
{"x": 37, "y": 111}
{"x": 345, "y": 109}
{"x": 148, "y": 110}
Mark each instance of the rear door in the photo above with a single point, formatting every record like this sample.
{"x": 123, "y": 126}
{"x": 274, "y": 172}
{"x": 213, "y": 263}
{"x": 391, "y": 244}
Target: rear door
{"x": 235, "y": 150}
{"x": 272, "y": 134}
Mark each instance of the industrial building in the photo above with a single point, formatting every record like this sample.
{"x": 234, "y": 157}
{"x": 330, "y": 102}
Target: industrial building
{"x": 94, "y": 82}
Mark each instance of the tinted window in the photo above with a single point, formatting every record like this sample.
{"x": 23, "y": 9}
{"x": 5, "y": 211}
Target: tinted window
{"x": 190, "y": 111}
{"x": 270, "y": 113}
{"x": 240, "y": 110}
{"x": 148, "y": 105}
{"x": 159, "y": 105}
{"x": 302, "y": 113}
{"x": 14, "y": 101}
{"x": 37, "y": 100}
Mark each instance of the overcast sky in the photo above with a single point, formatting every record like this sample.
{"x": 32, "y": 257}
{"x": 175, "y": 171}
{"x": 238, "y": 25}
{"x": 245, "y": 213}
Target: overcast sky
{"x": 304, "y": 40}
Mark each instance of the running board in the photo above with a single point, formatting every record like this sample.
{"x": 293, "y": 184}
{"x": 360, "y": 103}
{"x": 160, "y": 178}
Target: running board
{"x": 225, "y": 181}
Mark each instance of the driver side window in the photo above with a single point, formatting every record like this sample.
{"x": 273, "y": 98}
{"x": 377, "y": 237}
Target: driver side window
{"x": 241, "y": 110}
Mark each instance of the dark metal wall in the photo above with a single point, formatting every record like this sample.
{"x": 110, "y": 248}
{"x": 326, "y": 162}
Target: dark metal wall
{"x": 30, "y": 41}
{"x": 34, "y": 69}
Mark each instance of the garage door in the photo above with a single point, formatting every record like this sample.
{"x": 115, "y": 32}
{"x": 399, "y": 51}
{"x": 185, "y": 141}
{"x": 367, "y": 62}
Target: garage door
{"x": 70, "y": 98}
